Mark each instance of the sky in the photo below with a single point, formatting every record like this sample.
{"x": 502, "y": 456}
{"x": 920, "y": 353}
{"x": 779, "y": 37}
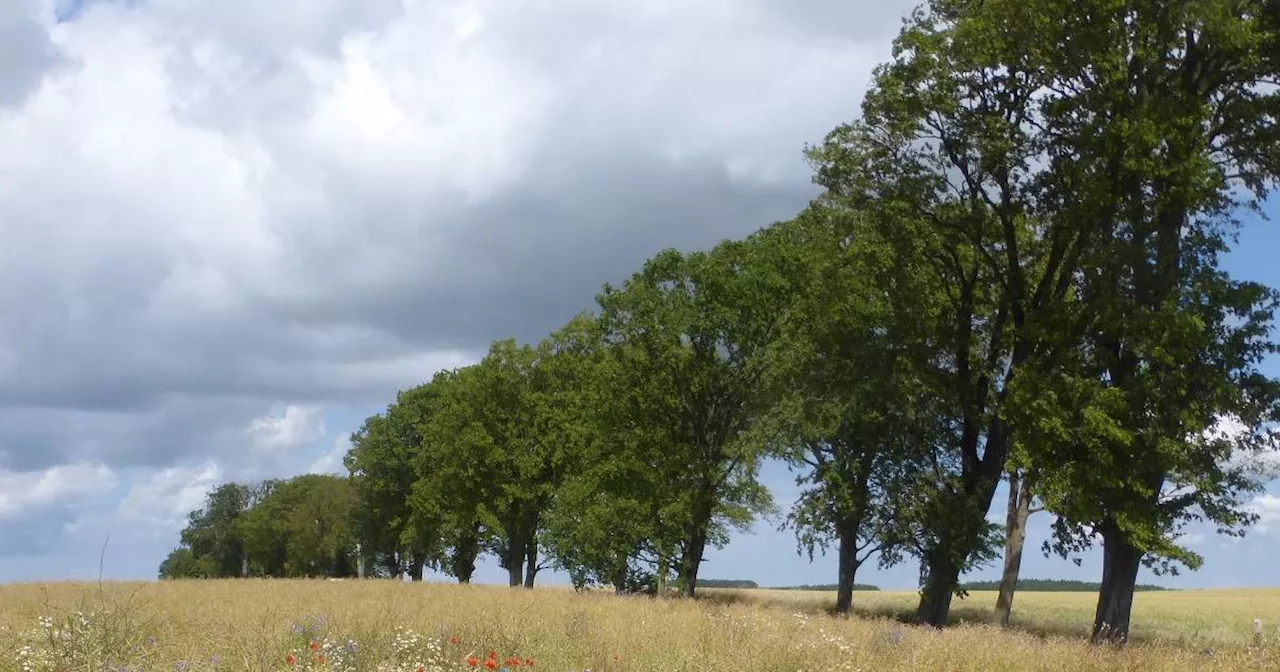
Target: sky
{"x": 233, "y": 230}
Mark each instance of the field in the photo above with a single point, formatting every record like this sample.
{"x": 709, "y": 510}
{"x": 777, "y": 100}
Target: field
{"x": 378, "y": 625}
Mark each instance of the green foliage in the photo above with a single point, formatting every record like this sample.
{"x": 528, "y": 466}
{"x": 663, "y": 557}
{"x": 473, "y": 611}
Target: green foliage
{"x": 182, "y": 563}
{"x": 300, "y": 527}
{"x": 1066, "y": 172}
{"x": 849, "y": 411}
{"x": 212, "y": 534}
{"x": 305, "y": 527}
{"x": 382, "y": 461}
{"x": 687, "y": 338}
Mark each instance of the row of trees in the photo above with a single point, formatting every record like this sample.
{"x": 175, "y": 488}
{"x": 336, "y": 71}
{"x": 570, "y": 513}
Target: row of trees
{"x": 303, "y": 526}
{"x": 1012, "y": 273}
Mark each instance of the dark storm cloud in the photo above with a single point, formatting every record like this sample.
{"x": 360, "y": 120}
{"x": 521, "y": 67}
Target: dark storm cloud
{"x": 328, "y": 205}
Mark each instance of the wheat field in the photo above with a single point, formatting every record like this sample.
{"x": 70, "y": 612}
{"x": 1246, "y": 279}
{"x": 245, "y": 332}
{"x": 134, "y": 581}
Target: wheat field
{"x": 384, "y": 626}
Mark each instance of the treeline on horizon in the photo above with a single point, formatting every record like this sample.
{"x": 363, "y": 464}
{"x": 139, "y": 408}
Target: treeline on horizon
{"x": 1053, "y": 586}
{"x": 1012, "y": 273}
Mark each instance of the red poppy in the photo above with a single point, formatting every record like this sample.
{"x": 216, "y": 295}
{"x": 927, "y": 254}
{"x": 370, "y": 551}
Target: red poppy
{"x": 315, "y": 646}
{"x": 420, "y": 669}
{"x": 513, "y": 662}
{"x": 528, "y": 662}
{"x": 320, "y": 658}
{"x": 493, "y": 653}
{"x": 491, "y": 664}
{"x": 453, "y": 639}
{"x": 473, "y": 661}
{"x": 289, "y": 659}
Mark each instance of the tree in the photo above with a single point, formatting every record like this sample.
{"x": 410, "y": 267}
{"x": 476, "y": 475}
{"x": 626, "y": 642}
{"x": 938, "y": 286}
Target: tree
{"x": 304, "y": 527}
{"x": 614, "y": 518}
{"x": 1150, "y": 390}
{"x": 1017, "y": 513}
{"x": 454, "y": 472}
{"x": 1033, "y": 153}
{"x": 509, "y": 386}
{"x": 688, "y": 333}
{"x": 381, "y": 461}
{"x": 849, "y": 413}
{"x": 181, "y": 563}
{"x": 567, "y": 424}
{"x": 1163, "y": 120}
{"x": 211, "y": 533}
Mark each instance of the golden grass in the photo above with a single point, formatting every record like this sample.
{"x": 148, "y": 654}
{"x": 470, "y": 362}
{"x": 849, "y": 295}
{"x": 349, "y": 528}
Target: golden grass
{"x": 247, "y": 625}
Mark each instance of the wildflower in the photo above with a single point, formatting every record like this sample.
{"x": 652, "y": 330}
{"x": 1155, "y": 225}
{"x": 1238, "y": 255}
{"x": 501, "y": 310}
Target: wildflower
{"x": 315, "y": 646}
{"x": 290, "y": 660}
{"x": 473, "y": 661}
{"x": 491, "y": 663}
{"x": 528, "y": 662}
{"x": 453, "y": 639}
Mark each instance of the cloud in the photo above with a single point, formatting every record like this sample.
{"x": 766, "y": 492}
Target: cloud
{"x": 1191, "y": 539}
{"x": 292, "y": 427}
{"x": 25, "y": 51}
{"x": 332, "y": 461}
{"x": 21, "y": 493}
{"x": 224, "y": 222}
{"x": 1267, "y": 508}
{"x": 1257, "y": 450}
{"x": 165, "y": 497}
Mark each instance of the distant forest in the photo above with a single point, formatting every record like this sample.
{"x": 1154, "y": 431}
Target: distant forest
{"x": 1035, "y": 585}
{"x": 1052, "y": 586}
{"x": 828, "y": 587}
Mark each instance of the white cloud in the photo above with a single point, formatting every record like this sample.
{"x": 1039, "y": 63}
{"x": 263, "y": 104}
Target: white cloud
{"x": 165, "y": 497}
{"x": 289, "y": 428}
{"x": 22, "y": 492}
{"x": 1267, "y": 506}
{"x": 1263, "y": 462}
{"x": 331, "y": 461}
{"x": 1191, "y": 539}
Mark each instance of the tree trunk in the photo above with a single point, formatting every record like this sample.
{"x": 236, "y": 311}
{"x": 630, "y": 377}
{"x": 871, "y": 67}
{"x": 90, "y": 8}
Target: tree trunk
{"x": 359, "y": 561}
{"x": 531, "y": 562}
{"x": 515, "y": 561}
{"x": 1015, "y": 538}
{"x": 695, "y": 542}
{"x": 979, "y": 479}
{"x": 244, "y": 565}
{"x": 415, "y": 568}
{"x": 464, "y": 555}
{"x": 619, "y": 580}
{"x": 664, "y": 567}
{"x": 691, "y": 561}
{"x": 935, "y": 597}
{"x": 848, "y": 568}
{"x": 1120, "y": 564}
